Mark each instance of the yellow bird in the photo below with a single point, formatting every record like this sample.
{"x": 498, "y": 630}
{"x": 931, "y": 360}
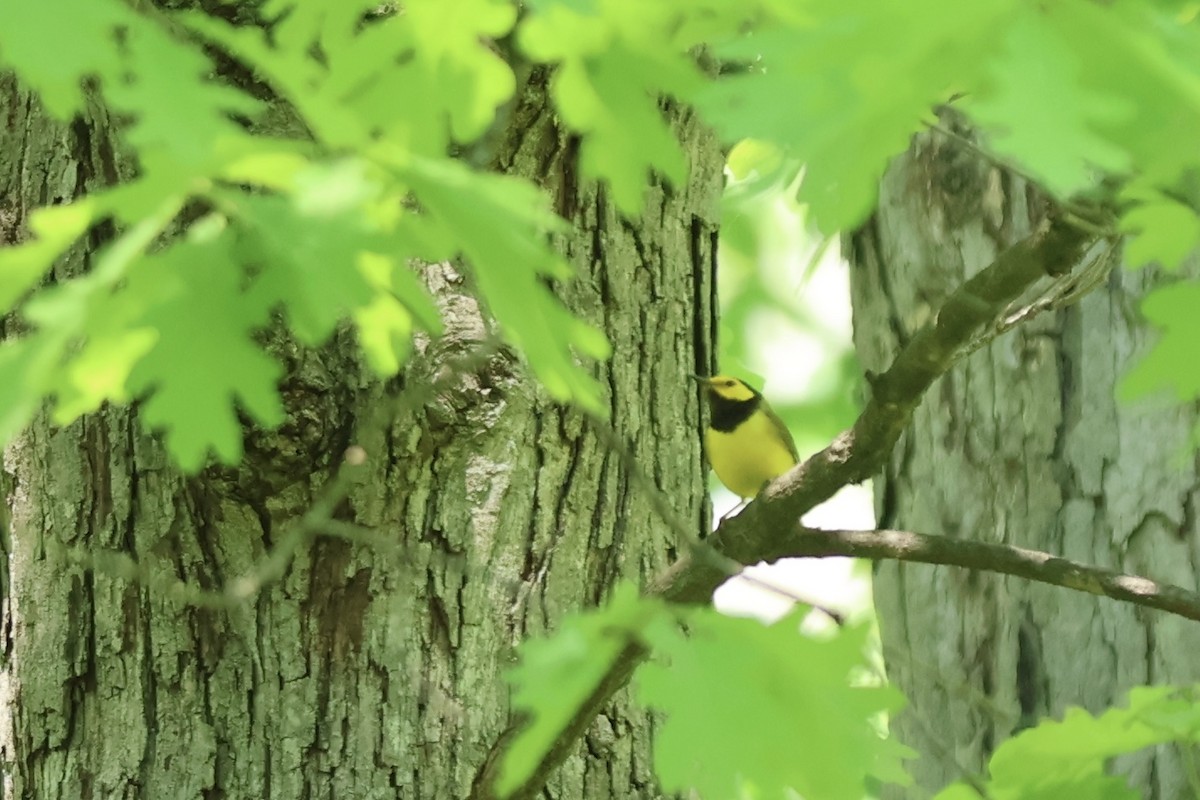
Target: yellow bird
{"x": 747, "y": 443}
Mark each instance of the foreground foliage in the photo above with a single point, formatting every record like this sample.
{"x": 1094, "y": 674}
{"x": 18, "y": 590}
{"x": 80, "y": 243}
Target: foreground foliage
{"x": 756, "y": 711}
{"x": 318, "y": 218}
{"x": 240, "y": 211}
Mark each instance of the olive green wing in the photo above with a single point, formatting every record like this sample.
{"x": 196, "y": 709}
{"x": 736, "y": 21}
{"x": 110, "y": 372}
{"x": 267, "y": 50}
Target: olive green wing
{"x": 780, "y": 428}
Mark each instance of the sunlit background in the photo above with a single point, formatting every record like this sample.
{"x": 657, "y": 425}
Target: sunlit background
{"x": 786, "y": 329}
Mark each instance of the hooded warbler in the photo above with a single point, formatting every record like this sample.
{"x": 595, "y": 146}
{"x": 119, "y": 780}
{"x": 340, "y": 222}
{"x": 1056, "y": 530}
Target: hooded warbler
{"x": 747, "y": 443}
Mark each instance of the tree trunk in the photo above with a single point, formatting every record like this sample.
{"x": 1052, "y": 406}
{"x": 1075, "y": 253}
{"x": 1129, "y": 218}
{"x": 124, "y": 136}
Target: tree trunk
{"x": 372, "y": 668}
{"x": 1023, "y": 443}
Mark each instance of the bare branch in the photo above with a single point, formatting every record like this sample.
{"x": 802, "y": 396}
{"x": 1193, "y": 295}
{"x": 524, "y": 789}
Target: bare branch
{"x": 1032, "y": 565}
{"x": 860, "y": 452}
{"x": 854, "y": 456}
{"x": 689, "y": 537}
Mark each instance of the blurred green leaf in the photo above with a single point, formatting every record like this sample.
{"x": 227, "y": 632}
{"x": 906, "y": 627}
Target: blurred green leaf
{"x": 739, "y": 700}
{"x": 1170, "y": 364}
{"x": 858, "y": 77}
{"x": 1036, "y": 90}
{"x": 1165, "y": 232}
{"x": 1068, "y": 758}
{"x": 384, "y": 324}
{"x": 501, "y": 225}
{"x": 1152, "y": 97}
{"x": 204, "y": 364}
{"x": 958, "y": 791}
{"x": 26, "y": 366}
{"x": 54, "y": 229}
{"x": 613, "y": 66}
{"x": 309, "y": 260}
{"x": 558, "y": 673}
{"x": 470, "y": 79}
{"x": 87, "y": 46}
{"x": 179, "y": 125}
{"x": 100, "y": 371}
{"x": 751, "y": 158}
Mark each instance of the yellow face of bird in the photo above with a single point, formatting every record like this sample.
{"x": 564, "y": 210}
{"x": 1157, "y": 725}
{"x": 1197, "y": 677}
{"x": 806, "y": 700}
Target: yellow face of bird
{"x": 746, "y": 442}
{"x": 728, "y": 388}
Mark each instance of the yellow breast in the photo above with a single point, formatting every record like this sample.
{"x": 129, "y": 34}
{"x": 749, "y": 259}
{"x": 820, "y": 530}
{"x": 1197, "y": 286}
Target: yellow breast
{"x": 750, "y": 456}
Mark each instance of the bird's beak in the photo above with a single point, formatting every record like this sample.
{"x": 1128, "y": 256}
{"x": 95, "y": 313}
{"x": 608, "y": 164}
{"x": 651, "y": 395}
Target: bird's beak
{"x": 699, "y": 379}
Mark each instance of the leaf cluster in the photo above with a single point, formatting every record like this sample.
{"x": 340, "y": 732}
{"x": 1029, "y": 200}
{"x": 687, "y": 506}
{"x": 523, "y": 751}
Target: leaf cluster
{"x": 1070, "y": 757}
{"x": 760, "y": 711}
{"x": 323, "y": 225}
{"x": 749, "y": 710}
{"x": 226, "y": 227}
{"x": 319, "y": 229}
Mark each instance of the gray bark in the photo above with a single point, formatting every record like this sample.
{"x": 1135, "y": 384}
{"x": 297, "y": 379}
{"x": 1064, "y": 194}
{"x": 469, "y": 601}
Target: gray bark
{"x": 1023, "y": 443}
{"x": 368, "y": 670}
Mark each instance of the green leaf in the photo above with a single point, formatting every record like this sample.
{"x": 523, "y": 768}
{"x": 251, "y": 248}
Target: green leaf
{"x": 181, "y": 116}
{"x": 176, "y": 322}
{"x": 558, "y": 31}
{"x": 309, "y": 260}
{"x": 178, "y": 114}
{"x": 100, "y": 371}
{"x": 751, "y": 161}
{"x": 611, "y": 101}
{"x": 500, "y": 224}
{"x": 205, "y": 362}
{"x": 1080, "y": 741}
{"x": 384, "y": 324}
{"x": 764, "y": 708}
{"x": 276, "y": 167}
{"x": 26, "y": 366}
{"x": 958, "y": 791}
{"x": 1125, "y": 57}
{"x": 1067, "y": 758}
{"x": 557, "y": 674}
{"x": 86, "y": 46}
{"x": 68, "y": 308}
{"x": 471, "y": 80}
{"x": 54, "y": 229}
{"x": 1038, "y": 112}
{"x": 843, "y": 85}
{"x": 1171, "y": 362}
{"x": 1165, "y": 232}
{"x": 416, "y": 77}
{"x": 293, "y": 73}
{"x": 335, "y": 249}
{"x": 302, "y": 23}
{"x": 615, "y": 60}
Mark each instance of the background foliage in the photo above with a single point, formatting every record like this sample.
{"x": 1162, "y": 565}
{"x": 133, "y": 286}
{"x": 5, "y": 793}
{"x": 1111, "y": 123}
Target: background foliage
{"x": 230, "y": 222}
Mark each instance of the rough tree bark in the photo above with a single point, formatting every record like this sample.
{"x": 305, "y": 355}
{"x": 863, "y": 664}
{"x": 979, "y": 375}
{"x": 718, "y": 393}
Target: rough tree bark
{"x": 369, "y": 670}
{"x": 1024, "y": 444}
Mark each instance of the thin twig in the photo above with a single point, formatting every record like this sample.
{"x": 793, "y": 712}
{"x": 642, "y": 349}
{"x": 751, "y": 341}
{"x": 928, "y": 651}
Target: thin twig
{"x": 1078, "y": 213}
{"x": 686, "y": 534}
{"x": 1064, "y": 291}
{"x": 983, "y": 152}
{"x": 856, "y": 455}
{"x": 317, "y": 521}
{"x": 1034, "y": 565}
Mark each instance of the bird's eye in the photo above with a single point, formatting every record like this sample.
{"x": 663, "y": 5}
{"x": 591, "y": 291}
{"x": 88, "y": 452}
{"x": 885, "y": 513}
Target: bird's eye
{"x": 729, "y": 384}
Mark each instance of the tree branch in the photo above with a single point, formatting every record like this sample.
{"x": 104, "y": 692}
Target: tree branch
{"x": 1033, "y": 565}
{"x": 754, "y": 535}
{"x": 860, "y": 452}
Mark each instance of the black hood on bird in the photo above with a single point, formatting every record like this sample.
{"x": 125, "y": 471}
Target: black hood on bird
{"x": 728, "y": 414}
